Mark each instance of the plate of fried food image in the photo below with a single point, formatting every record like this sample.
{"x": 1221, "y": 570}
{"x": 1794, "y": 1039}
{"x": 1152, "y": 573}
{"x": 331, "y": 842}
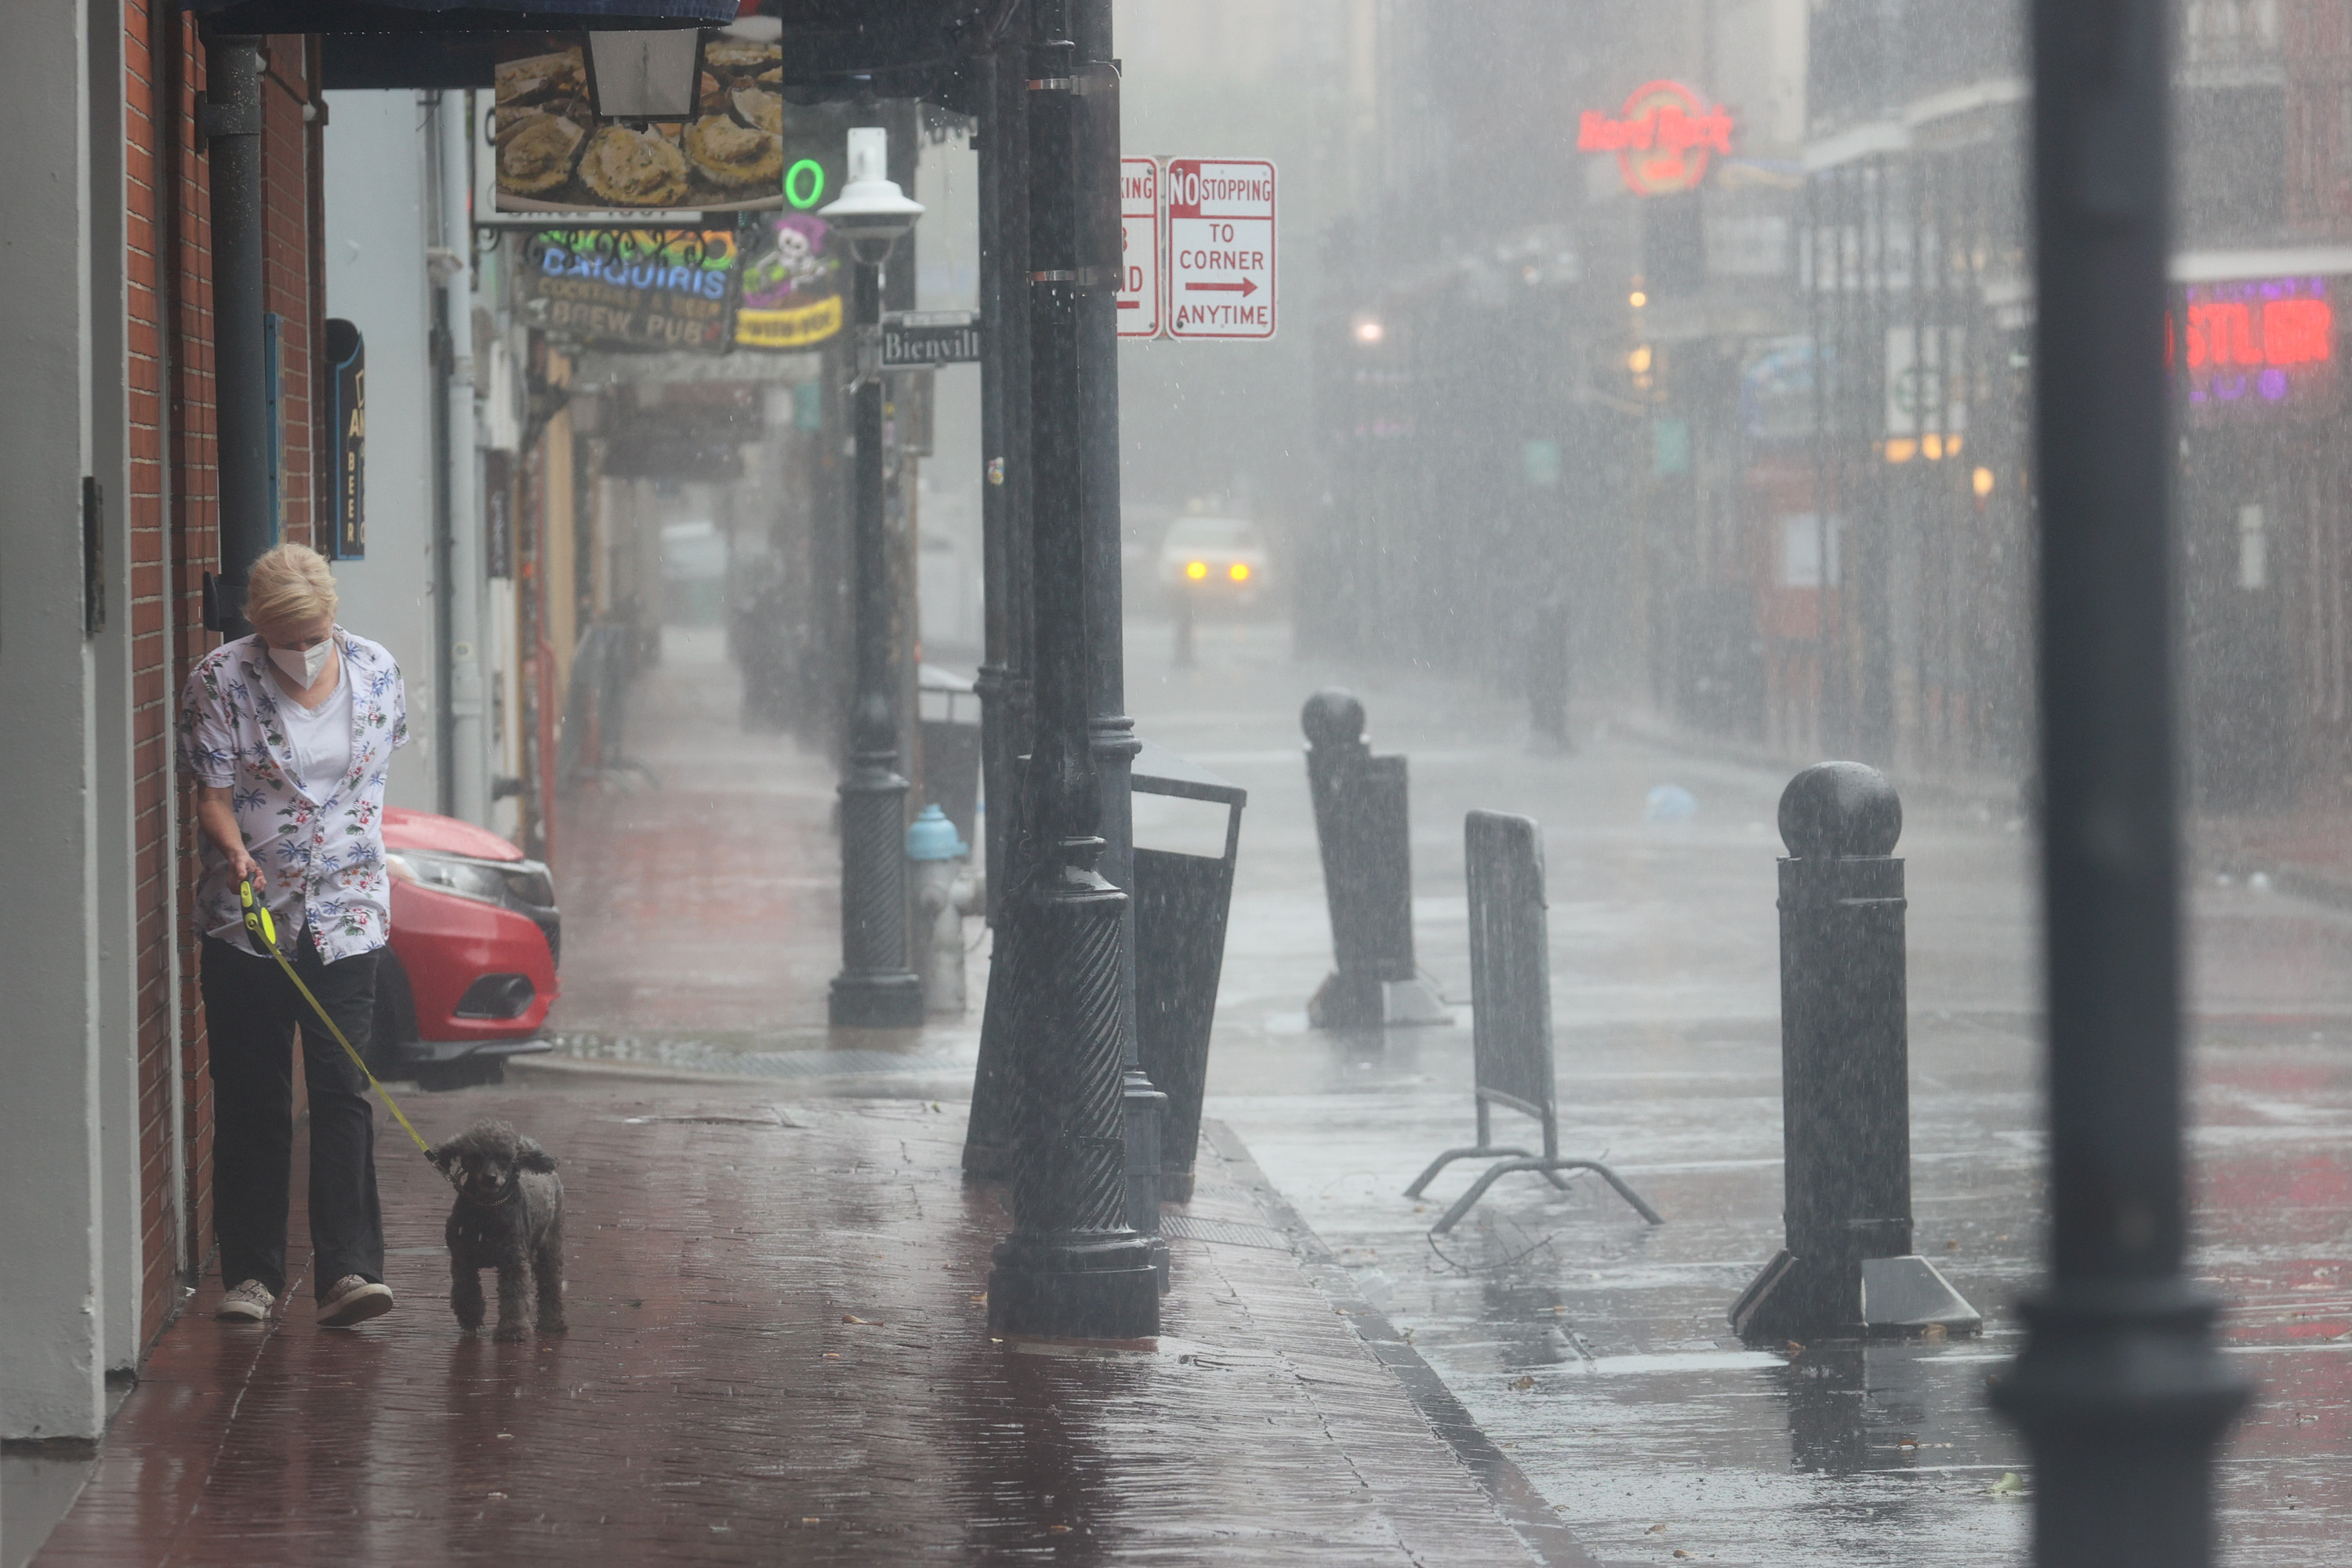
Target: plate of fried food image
{"x": 537, "y": 78}
{"x": 734, "y": 158}
{"x": 740, "y": 56}
{"x": 759, "y": 108}
{"x": 632, "y": 168}
{"x": 536, "y": 152}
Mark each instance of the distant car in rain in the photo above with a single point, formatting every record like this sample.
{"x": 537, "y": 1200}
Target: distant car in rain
{"x": 470, "y": 973}
{"x": 1217, "y": 560}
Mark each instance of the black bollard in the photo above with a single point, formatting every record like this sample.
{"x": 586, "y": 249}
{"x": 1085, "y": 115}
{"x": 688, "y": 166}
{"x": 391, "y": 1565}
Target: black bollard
{"x": 1363, "y": 824}
{"x": 1846, "y": 1087}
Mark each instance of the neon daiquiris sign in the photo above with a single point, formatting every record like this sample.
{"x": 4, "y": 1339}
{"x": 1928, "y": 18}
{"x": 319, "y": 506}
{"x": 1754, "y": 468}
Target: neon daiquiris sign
{"x": 1663, "y": 139}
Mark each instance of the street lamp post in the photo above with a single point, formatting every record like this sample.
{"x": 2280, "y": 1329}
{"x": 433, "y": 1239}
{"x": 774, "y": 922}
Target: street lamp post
{"x": 1101, "y": 253}
{"x": 1006, "y": 691}
{"x": 1004, "y": 682}
{"x": 876, "y": 989}
{"x": 2120, "y": 1390}
{"x": 1074, "y": 1265}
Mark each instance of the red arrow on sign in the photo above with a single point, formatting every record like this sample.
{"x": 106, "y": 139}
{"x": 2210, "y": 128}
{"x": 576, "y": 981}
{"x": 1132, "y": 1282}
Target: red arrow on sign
{"x": 1246, "y": 288}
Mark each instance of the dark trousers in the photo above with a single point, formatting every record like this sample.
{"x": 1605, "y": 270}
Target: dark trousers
{"x": 251, "y": 1013}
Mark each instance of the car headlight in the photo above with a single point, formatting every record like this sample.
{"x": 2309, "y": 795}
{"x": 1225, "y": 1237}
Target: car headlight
{"x": 510, "y": 883}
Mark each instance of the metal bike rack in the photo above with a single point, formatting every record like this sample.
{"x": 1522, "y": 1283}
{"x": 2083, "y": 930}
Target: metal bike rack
{"x": 1510, "y": 1002}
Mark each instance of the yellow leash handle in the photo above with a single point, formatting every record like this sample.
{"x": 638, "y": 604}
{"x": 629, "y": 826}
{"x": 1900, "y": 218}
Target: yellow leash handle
{"x": 265, "y": 930}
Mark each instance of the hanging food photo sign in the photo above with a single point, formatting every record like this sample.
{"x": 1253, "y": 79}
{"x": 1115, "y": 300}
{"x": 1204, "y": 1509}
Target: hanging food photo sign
{"x": 638, "y": 123}
{"x": 633, "y": 289}
{"x": 1663, "y": 139}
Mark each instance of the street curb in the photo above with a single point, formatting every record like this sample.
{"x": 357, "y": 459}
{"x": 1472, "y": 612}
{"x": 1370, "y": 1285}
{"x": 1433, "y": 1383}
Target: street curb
{"x": 1997, "y": 796}
{"x": 628, "y": 1072}
{"x": 1505, "y": 1484}
{"x": 816, "y": 1086}
{"x": 2293, "y": 881}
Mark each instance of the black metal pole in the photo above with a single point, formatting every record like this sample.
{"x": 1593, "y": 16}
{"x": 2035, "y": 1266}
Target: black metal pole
{"x": 1006, "y": 681}
{"x": 232, "y": 128}
{"x": 2120, "y": 1389}
{"x": 1102, "y": 258}
{"x": 875, "y": 989}
{"x": 1074, "y": 1267}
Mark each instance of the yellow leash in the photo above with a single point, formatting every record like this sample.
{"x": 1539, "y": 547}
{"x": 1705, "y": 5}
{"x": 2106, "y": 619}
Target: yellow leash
{"x": 265, "y": 930}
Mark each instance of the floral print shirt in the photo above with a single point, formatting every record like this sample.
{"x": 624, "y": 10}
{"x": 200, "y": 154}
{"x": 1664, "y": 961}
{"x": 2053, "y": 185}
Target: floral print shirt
{"x": 322, "y": 860}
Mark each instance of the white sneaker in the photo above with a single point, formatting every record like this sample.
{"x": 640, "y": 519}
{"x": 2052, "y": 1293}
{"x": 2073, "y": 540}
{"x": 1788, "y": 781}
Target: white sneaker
{"x": 247, "y": 1303}
{"x": 353, "y": 1300}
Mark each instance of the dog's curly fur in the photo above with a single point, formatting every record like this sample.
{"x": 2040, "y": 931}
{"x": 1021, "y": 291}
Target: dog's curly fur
{"x": 509, "y": 1216}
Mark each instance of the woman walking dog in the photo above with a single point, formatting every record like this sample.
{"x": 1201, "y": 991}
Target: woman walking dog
{"x": 288, "y": 734}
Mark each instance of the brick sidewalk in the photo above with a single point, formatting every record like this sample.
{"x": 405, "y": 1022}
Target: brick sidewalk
{"x": 778, "y": 1353}
{"x": 706, "y": 903}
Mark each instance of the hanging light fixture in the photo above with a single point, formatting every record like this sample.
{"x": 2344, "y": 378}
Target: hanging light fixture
{"x": 871, "y": 210}
{"x": 643, "y": 76}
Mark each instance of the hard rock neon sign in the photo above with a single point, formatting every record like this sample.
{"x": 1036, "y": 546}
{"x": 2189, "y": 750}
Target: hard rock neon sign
{"x": 1663, "y": 139}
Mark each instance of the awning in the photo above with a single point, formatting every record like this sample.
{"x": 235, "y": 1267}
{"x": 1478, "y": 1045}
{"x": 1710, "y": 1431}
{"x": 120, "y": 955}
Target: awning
{"x": 908, "y": 48}
{"x": 2258, "y": 262}
{"x": 439, "y": 43}
{"x": 333, "y": 17}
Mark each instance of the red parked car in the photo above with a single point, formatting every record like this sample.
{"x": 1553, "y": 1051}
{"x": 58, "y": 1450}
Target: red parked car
{"x": 471, "y": 970}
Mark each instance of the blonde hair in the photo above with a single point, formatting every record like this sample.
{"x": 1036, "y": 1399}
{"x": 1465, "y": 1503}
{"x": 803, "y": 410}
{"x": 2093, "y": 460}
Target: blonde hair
{"x": 288, "y": 587}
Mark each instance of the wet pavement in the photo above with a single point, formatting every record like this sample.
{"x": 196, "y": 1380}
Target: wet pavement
{"x": 700, "y": 904}
{"x": 778, "y": 1353}
{"x": 1594, "y": 1348}
{"x": 1553, "y": 1358}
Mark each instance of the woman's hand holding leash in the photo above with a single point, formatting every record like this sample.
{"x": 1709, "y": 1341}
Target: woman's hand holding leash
{"x": 265, "y": 930}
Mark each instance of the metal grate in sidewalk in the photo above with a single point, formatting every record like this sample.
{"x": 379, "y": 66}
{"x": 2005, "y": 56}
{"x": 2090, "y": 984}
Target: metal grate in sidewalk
{"x": 1230, "y": 1233}
{"x": 697, "y": 1056}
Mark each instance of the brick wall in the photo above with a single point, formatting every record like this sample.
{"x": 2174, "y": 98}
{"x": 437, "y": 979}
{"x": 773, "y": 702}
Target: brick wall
{"x": 175, "y": 533}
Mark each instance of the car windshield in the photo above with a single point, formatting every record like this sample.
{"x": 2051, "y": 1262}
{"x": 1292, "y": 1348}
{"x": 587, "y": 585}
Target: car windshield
{"x": 1211, "y": 533}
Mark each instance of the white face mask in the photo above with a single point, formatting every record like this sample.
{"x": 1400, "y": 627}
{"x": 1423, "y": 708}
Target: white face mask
{"x": 302, "y": 664}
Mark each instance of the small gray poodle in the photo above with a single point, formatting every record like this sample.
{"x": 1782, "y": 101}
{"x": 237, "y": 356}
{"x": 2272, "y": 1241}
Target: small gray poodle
{"x": 509, "y": 1216}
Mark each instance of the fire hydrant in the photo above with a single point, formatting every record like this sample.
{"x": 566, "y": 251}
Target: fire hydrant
{"x": 944, "y": 892}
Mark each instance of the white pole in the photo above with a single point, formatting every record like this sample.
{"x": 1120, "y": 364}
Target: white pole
{"x": 469, "y": 766}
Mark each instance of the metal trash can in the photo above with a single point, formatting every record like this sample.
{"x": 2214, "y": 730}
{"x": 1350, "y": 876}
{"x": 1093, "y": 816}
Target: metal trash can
{"x": 949, "y": 711}
{"x": 1182, "y": 899}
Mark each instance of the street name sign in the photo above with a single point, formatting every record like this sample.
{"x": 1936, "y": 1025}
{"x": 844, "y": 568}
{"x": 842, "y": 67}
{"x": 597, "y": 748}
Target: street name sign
{"x": 1220, "y": 247}
{"x": 1139, "y": 302}
{"x": 919, "y": 340}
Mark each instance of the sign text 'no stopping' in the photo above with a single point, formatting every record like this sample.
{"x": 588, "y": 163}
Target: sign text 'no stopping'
{"x": 1221, "y": 272}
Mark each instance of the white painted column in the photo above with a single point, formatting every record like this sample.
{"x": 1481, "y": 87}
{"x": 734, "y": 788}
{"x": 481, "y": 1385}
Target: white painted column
{"x": 52, "y": 1356}
{"x": 114, "y": 847}
{"x": 378, "y": 228}
{"x": 468, "y": 689}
